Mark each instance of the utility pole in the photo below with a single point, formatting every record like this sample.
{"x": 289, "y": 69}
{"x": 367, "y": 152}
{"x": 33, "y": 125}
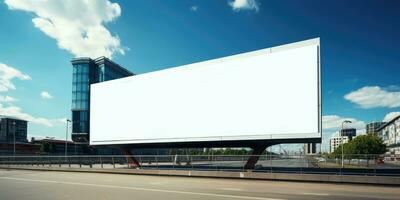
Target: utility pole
{"x": 66, "y": 138}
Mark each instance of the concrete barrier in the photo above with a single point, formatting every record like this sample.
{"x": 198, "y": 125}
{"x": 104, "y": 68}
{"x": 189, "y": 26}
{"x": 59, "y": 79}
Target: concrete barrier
{"x": 328, "y": 178}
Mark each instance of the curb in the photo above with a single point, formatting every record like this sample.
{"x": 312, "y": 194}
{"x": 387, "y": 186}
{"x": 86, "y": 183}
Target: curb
{"x": 325, "y": 178}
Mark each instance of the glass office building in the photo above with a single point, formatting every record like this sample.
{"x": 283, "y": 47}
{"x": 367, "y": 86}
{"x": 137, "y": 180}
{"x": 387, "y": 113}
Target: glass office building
{"x": 349, "y": 132}
{"x": 85, "y": 72}
{"x": 13, "y": 128}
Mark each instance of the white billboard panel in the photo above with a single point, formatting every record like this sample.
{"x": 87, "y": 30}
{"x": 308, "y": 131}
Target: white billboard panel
{"x": 268, "y": 94}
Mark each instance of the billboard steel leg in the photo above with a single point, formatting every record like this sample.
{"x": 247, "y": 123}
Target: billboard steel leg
{"x": 132, "y": 162}
{"x": 255, "y": 155}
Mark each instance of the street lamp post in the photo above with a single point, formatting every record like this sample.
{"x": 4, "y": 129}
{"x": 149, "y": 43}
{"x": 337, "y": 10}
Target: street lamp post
{"x": 14, "y": 130}
{"x": 66, "y": 138}
{"x": 341, "y": 133}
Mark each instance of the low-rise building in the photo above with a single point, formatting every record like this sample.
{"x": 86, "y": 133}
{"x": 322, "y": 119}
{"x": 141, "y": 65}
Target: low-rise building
{"x": 336, "y": 141}
{"x": 57, "y": 147}
{"x": 53, "y": 146}
{"x": 390, "y": 134}
{"x": 7, "y": 149}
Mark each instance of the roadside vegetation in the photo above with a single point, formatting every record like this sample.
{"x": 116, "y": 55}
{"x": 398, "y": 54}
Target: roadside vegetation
{"x": 363, "y": 146}
{"x": 356, "y": 154}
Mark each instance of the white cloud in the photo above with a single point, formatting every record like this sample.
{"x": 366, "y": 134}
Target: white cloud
{"x": 77, "y": 25}
{"x": 334, "y": 122}
{"x": 361, "y": 131}
{"x": 373, "y": 97}
{"x": 244, "y": 5}
{"x": 14, "y": 111}
{"x": 390, "y": 116}
{"x": 62, "y": 121}
{"x": 7, "y": 74}
{"x": 194, "y": 8}
{"x": 7, "y": 99}
{"x": 46, "y": 95}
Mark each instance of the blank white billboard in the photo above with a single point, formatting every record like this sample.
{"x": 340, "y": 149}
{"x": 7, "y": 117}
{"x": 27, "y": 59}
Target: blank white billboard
{"x": 268, "y": 94}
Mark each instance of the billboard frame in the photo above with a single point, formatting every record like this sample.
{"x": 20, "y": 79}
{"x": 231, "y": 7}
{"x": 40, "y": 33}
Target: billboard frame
{"x": 241, "y": 142}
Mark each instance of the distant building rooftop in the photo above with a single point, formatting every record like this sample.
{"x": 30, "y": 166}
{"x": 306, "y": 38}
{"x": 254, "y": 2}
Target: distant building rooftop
{"x": 100, "y": 60}
{"x": 11, "y": 117}
{"x": 51, "y": 141}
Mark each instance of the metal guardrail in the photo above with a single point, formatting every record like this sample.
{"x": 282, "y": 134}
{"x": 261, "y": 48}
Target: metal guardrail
{"x": 314, "y": 164}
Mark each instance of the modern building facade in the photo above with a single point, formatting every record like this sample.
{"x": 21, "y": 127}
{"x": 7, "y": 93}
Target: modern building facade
{"x": 390, "y": 134}
{"x": 87, "y": 71}
{"x": 349, "y": 132}
{"x": 13, "y": 129}
{"x": 372, "y": 128}
{"x": 336, "y": 141}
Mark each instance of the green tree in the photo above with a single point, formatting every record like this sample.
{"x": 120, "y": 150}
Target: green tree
{"x": 46, "y": 147}
{"x": 364, "y": 146}
{"x": 369, "y": 144}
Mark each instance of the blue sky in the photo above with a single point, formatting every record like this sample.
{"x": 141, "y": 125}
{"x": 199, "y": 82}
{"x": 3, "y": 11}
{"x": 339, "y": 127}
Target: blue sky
{"x": 359, "y": 48}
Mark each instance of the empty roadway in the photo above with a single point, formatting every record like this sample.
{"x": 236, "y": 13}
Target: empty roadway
{"x": 25, "y": 184}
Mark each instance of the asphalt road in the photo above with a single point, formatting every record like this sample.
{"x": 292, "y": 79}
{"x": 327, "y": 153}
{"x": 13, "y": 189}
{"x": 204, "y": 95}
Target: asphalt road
{"x": 25, "y": 185}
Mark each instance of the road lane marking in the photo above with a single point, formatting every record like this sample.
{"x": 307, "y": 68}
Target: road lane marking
{"x": 139, "y": 188}
{"x": 315, "y": 194}
{"x": 158, "y": 183}
{"x": 232, "y": 189}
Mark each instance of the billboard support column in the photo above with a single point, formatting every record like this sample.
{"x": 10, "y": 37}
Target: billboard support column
{"x": 132, "y": 162}
{"x": 255, "y": 155}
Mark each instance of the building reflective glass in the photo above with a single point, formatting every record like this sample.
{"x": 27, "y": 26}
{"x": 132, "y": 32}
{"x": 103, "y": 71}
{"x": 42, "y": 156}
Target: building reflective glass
{"x": 85, "y": 72}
